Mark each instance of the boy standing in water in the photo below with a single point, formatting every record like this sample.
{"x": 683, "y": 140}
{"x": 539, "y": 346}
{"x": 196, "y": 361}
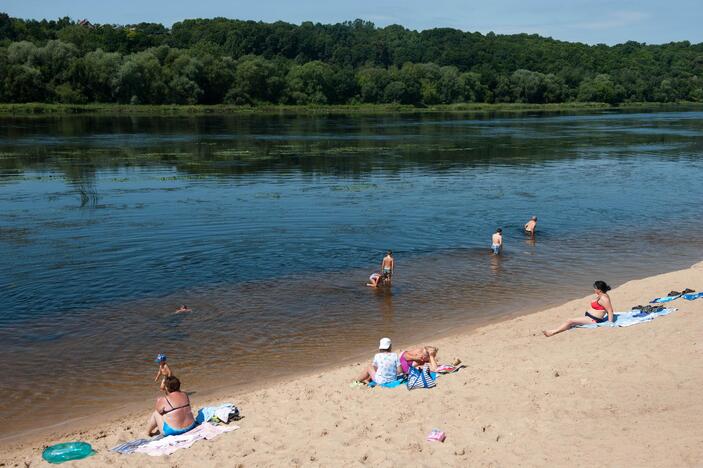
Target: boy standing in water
{"x": 164, "y": 371}
{"x": 387, "y": 267}
{"x": 497, "y": 241}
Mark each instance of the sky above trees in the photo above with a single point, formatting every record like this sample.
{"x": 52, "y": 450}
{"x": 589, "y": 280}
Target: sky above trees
{"x": 589, "y": 21}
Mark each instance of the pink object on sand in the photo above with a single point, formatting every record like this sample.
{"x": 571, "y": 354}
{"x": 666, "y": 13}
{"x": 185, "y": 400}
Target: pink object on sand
{"x": 436, "y": 436}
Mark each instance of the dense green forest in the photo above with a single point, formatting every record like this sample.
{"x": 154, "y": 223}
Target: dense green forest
{"x": 212, "y": 61}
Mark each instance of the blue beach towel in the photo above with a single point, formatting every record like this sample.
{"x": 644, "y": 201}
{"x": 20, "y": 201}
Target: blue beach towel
{"x": 397, "y": 382}
{"x": 692, "y": 296}
{"x": 391, "y": 384}
{"x": 689, "y": 297}
{"x": 661, "y": 300}
{"x": 627, "y": 319}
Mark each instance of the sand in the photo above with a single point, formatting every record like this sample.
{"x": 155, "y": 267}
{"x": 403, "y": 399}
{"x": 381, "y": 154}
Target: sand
{"x": 605, "y": 397}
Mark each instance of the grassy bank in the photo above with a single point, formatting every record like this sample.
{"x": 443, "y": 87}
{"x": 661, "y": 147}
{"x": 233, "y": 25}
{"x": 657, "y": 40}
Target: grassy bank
{"x": 112, "y": 109}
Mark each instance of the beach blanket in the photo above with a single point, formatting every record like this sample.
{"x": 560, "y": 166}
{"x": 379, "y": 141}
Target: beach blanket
{"x": 441, "y": 370}
{"x": 662, "y": 300}
{"x": 691, "y": 296}
{"x": 627, "y": 319}
{"x": 391, "y": 384}
{"x": 170, "y": 444}
{"x": 447, "y": 369}
{"x": 129, "y": 447}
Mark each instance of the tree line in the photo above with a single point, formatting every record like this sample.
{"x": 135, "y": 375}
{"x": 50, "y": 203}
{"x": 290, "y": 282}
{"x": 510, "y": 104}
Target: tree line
{"x": 213, "y": 61}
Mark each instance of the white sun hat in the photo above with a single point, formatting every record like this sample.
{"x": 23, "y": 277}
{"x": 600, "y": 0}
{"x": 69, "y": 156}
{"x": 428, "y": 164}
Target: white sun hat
{"x": 384, "y": 344}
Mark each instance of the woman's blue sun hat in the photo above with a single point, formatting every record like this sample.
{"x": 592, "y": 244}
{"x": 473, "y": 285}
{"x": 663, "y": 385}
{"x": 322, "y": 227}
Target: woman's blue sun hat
{"x": 160, "y": 358}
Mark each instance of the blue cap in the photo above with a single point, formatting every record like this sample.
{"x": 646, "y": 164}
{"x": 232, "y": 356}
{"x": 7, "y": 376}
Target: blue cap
{"x": 160, "y": 358}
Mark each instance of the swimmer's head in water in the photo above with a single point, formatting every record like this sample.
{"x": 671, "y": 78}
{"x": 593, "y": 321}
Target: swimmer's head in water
{"x": 160, "y": 358}
{"x": 499, "y": 230}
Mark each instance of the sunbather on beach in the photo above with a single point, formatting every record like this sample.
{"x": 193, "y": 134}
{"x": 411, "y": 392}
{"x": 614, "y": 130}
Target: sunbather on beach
{"x": 418, "y": 357}
{"x": 601, "y": 311}
{"x": 385, "y": 366}
{"x": 531, "y": 226}
{"x": 172, "y": 414}
{"x": 164, "y": 371}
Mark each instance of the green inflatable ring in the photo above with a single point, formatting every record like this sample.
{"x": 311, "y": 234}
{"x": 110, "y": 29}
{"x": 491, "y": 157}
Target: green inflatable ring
{"x": 67, "y": 451}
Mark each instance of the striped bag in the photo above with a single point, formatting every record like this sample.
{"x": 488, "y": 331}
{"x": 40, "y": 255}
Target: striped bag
{"x": 420, "y": 378}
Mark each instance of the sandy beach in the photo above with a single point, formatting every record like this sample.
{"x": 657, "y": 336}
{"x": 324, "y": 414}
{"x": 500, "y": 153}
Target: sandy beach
{"x": 604, "y": 397}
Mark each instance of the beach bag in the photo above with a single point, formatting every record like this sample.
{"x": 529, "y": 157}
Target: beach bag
{"x": 420, "y": 378}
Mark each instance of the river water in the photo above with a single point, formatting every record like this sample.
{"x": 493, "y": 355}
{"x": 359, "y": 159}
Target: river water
{"x": 268, "y": 227}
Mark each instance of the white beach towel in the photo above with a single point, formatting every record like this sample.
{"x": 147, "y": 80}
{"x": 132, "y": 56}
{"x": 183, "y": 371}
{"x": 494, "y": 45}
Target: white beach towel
{"x": 170, "y": 444}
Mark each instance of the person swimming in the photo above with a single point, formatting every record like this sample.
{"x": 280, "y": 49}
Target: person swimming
{"x": 183, "y": 308}
{"x": 601, "y": 311}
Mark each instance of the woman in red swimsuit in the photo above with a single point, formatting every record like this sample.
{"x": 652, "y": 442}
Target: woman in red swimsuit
{"x": 601, "y": 311}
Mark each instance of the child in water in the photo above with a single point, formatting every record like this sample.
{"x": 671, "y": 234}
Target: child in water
{"x": 387, "y": 268}
{"x": 497, "y": 241}
{"x": 163, "y": 372}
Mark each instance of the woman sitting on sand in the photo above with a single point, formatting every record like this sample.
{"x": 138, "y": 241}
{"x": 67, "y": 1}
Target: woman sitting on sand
{"x": 418, "y": 357}
{"x": 601, "y": 311}
{"x": 385, "y": 366}
{"x": 173, "y": 414}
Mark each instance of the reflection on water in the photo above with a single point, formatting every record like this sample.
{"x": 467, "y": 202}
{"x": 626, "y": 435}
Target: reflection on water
{"x": 268, "y": 227}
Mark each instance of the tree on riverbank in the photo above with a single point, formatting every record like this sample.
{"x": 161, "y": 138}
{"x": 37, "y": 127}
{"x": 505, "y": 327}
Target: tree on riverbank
{"x": 247, "y": 63}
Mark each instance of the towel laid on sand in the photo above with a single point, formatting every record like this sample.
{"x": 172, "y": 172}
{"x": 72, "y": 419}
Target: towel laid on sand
{"x": 129, "y": 447}
{"x": 442, "y": 369}
{"x": 627, "y": 319}
{"x": 661, "y": 300}
{"x": 168, "y": 445}
{"x": 391, "y": 384}
{"x": 690, "y": 296}
{"x": 447, "y": 369}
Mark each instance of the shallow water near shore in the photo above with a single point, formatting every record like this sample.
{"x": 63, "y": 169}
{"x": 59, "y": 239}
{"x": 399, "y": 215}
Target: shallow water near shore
{"x": 268, "y": 227}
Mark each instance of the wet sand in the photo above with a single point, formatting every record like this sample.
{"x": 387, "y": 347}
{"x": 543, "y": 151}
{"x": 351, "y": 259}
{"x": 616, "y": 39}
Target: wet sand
{"x": 605, "y": 397}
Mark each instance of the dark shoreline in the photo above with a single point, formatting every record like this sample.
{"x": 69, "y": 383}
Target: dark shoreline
{"x": 25, "y": 109}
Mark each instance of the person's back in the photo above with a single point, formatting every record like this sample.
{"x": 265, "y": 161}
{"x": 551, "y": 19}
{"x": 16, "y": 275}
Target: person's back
{"x": 387, "y": 264}
{"x": 497, "y": 241}
{"x": 386, "y": 364}
{"x": 387, "y": 267}
{"x": 531, "y": 225}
